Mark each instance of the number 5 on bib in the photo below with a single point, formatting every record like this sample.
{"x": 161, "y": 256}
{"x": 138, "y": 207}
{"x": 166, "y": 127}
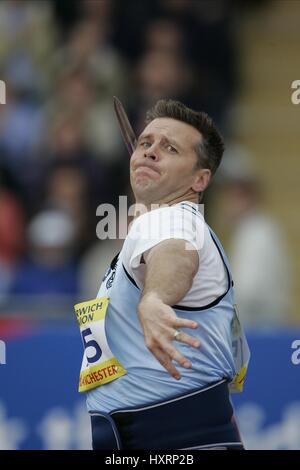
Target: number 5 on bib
{"x": 99, "y": 365}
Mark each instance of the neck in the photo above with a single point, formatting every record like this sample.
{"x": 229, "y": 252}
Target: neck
{"x": 170, "y": 200}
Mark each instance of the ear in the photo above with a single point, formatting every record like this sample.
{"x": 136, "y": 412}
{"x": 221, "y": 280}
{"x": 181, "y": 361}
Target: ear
{"x": 202, "y": 180}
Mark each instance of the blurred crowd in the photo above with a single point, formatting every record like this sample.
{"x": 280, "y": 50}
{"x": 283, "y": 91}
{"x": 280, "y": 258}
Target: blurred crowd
{"x": 61, "y": 153}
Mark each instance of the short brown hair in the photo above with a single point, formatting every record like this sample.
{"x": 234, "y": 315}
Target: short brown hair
{"x": 211, "y": 148}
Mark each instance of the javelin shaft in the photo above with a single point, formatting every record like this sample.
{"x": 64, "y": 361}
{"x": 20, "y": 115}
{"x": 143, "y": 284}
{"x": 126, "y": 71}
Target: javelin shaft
{"x": 125, "y": 126}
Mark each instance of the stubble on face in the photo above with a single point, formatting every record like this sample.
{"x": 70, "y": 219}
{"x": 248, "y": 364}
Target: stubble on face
{"x": 173, "y": 173}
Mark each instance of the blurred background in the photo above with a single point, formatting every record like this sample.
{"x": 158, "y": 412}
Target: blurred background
{"x": 61, "y": 155}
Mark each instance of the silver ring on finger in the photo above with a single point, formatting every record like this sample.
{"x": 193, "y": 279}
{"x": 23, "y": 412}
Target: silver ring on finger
{"x": 176, "y": 334}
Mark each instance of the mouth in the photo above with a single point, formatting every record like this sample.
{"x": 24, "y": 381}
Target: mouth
{"x": 145, "y": 169}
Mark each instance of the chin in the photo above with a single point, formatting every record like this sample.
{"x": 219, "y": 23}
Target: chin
{"x": 144, "y": 191}
{"x": 143, "y": 183}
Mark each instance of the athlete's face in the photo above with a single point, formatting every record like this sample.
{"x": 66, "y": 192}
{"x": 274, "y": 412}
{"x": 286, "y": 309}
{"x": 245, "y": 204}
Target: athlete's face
{"x": 163, "y": 166}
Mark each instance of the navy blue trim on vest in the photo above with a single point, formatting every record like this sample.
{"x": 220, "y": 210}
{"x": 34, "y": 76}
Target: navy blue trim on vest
{"x": 184, "y": 204}
{"x": 218, "y": 299}
{"x": 114, "y": 261}
{"x": 191, "y": 212}
{"x": 190, "y": 209}
{"x": 130, "y": 278}
{"x": 204, "y": 307}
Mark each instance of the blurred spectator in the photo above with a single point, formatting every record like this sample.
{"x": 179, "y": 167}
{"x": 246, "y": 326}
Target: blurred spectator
{"x": 88, "y": 49}
{"x": 49, "y": 267}
{"x": 76, "y": 95}
{"x": 11, "y": 227}
{"x": 102, "y": 11}
{"x": 27, "y": 38}
{"x": 20, "y": 127}
{"x": 27, "y": 41}
{"x": 257, "y": 251}
{"x": 165, "y": 35}
{"x": 160, "y": 74}
{"x": 94, "y": 265}
{"x": 72, "y": 179}
{"x": 210, "y": 46}
{"x": 68, "y": 188}
{"x": 11, "y": 234}
{"x": 99, "y": 256}
{"x": 207, "y": 43}
{"x": 129, "y": 41}
{"x": 67, "y": 145}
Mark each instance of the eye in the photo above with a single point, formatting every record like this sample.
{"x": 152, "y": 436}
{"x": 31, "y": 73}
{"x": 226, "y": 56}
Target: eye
{"x": 145, "y": 144}
{"x": 171, "y": 149}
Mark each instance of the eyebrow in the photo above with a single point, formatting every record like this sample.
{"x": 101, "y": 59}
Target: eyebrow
{"x": 165, "y": 138}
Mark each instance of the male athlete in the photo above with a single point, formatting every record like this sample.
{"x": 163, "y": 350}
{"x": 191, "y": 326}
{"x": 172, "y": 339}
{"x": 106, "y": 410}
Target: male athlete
{"x": 163, "y": 344}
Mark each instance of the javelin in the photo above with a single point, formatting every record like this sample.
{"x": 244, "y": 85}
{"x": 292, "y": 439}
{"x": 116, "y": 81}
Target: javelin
{"x": 125, "y": 126}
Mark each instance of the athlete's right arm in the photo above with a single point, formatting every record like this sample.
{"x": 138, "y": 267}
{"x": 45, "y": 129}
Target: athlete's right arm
{"x": 170, "y": 269}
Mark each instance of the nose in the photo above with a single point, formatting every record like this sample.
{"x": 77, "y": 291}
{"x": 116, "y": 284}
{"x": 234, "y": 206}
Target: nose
{"x": 151, "y": 152}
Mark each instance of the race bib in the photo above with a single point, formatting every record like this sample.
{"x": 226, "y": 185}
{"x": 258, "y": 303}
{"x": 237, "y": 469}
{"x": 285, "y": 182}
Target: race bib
{"x": 99, "y": 365}
{"x": 241, "y": 353}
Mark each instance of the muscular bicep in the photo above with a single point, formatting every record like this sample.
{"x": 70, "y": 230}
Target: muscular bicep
{"x": 176, "y": 252}
{"x": 170, "y": 269}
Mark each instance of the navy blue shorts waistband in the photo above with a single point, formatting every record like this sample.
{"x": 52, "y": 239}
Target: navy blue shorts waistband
{"x": 195, "y": 420}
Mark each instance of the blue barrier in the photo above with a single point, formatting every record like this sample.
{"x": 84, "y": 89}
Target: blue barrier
{"x": 269, "y": 408}
{"x": 40, "y": 407}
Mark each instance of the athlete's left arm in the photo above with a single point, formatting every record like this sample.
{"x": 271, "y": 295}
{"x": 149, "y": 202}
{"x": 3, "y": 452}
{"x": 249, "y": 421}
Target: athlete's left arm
{"x": 170, "y": 269}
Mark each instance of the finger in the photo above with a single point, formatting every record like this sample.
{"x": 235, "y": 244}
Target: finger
{"x": 188, "y": 339}
{"x": 165, "y": 361}
{"x": 175, "y": 355}
{"x": 184, "y": 323}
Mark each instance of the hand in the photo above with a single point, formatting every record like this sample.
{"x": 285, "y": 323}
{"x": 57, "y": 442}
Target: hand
{"x": 159, "y": 323}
